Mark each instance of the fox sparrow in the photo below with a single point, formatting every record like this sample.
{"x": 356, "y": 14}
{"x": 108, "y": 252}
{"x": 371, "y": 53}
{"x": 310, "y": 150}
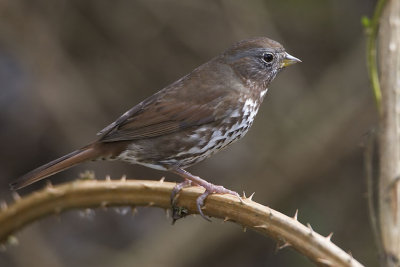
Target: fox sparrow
{"x": 189, "y": 120}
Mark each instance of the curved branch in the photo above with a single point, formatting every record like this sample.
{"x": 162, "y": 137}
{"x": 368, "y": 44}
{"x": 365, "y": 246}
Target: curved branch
{"x": 94, "y": 193}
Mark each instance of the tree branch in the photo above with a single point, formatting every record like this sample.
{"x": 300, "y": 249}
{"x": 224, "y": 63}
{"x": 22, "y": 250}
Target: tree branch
{"x": 82, "y": 194}
{"x": 389, "y": 138}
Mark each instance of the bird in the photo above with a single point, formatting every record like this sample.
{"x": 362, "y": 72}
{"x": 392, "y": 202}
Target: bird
{"x": 187, "y": 121}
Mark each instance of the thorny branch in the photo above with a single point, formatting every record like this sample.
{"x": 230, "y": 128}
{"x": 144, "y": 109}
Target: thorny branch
{"x": 84, "y": 194}
{"x": 384, "y": 37}
{"x": 389, "y": 134}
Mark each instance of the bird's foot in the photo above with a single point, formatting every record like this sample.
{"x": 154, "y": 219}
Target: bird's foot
{"x": 178, "y": 212}
{"x": 210, "y": 189}
{"x": 177, "y": 189}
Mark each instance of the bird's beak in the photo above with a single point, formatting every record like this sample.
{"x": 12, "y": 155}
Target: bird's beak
{"x": 289, "y": 60}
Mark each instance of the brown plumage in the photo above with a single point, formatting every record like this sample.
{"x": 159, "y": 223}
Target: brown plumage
{"x": 189, "y": 120}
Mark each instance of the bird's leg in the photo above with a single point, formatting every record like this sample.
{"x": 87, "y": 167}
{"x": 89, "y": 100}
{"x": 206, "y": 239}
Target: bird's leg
{"x": 210, "y": 188}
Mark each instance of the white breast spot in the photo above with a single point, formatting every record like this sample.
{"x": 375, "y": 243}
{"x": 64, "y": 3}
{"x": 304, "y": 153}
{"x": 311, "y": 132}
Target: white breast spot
{"x": 262, "y": 94}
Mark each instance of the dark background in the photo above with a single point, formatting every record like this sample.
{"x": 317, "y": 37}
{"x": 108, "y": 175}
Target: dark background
{"x": 68, "y": 68}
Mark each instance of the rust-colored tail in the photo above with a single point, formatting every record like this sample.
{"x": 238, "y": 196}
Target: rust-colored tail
{"x": 84, "y": 154}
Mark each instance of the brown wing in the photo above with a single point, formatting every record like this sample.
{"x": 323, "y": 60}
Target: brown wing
{"x": 151, "y": 123}
{"x": 159, "y": 116}
{"x": 190, "y": 101}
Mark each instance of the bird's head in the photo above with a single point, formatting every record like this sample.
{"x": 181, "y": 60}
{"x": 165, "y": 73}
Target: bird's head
{"x": 258, "y": 60}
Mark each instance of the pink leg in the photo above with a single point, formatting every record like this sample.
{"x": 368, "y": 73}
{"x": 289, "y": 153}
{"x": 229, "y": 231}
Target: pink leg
{"x": 210, "y": 188}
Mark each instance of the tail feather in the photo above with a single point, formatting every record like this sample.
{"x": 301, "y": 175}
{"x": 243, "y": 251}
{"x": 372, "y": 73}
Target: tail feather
{"x": 84, "y": 154}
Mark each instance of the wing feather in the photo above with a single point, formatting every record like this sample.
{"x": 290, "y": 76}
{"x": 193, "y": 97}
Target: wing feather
{"x": 155, "y": 119}
{"x": 190, "y": 101}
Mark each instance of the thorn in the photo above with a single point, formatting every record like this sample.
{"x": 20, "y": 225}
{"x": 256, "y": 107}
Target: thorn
{"x": 151, "y": 203}
{"x": 311, "y": 230}
{"x": 87, "y": 214}
{"x": 329, "y": 236}
{"x": 282, "y": 246}
{"x": 263, "y": 226}
{"x": 16, "y": 196}
{"x": 145, "y": 186}
{"x": 295, "y": 215}
{"x": 122, "y": 210}
{"x": 227, "y": 219}
{"x": 108, "y": 178}
{"x": 325, "y": 262}
{"x": 351, "y": 256}
{"x": 54, "y": 190}
{"x": 123, "y": 178}
{"x": 162, "y": 179}
{"x": 251, "y": 196}
{"x": 240, "y": 199}
{"x": 244, "y": 229}
{"x": 270, "y": 214}
{"x": 49, "y": 184}
{"x": 3, "y": 205}
{"x": 87, "y": 175}
{"x": 244, "y": 195}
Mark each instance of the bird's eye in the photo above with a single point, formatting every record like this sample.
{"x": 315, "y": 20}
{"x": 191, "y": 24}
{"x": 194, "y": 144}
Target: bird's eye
{"x": 268, "y": 57}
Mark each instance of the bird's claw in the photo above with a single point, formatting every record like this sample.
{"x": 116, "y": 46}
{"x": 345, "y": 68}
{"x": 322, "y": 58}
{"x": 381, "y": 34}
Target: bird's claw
{"x": 195, "y": 180}
{"x": 200, "y": 203}
{"x": 177, "y": 189}
{"x": 213, "y": 189}
{"x": 178, "y": 212}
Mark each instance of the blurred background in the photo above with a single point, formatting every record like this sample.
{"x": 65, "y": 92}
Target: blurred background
{"x": 69, "y": 68}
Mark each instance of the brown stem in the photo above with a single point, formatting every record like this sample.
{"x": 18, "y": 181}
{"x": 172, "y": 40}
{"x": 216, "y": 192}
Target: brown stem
{"x": 93, "y": 193}
{"x": 389, "y": 139}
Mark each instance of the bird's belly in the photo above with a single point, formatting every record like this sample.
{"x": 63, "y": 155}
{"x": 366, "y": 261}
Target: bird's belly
{"x": 218, "y": 139}
{"x": 190, "y": 146}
